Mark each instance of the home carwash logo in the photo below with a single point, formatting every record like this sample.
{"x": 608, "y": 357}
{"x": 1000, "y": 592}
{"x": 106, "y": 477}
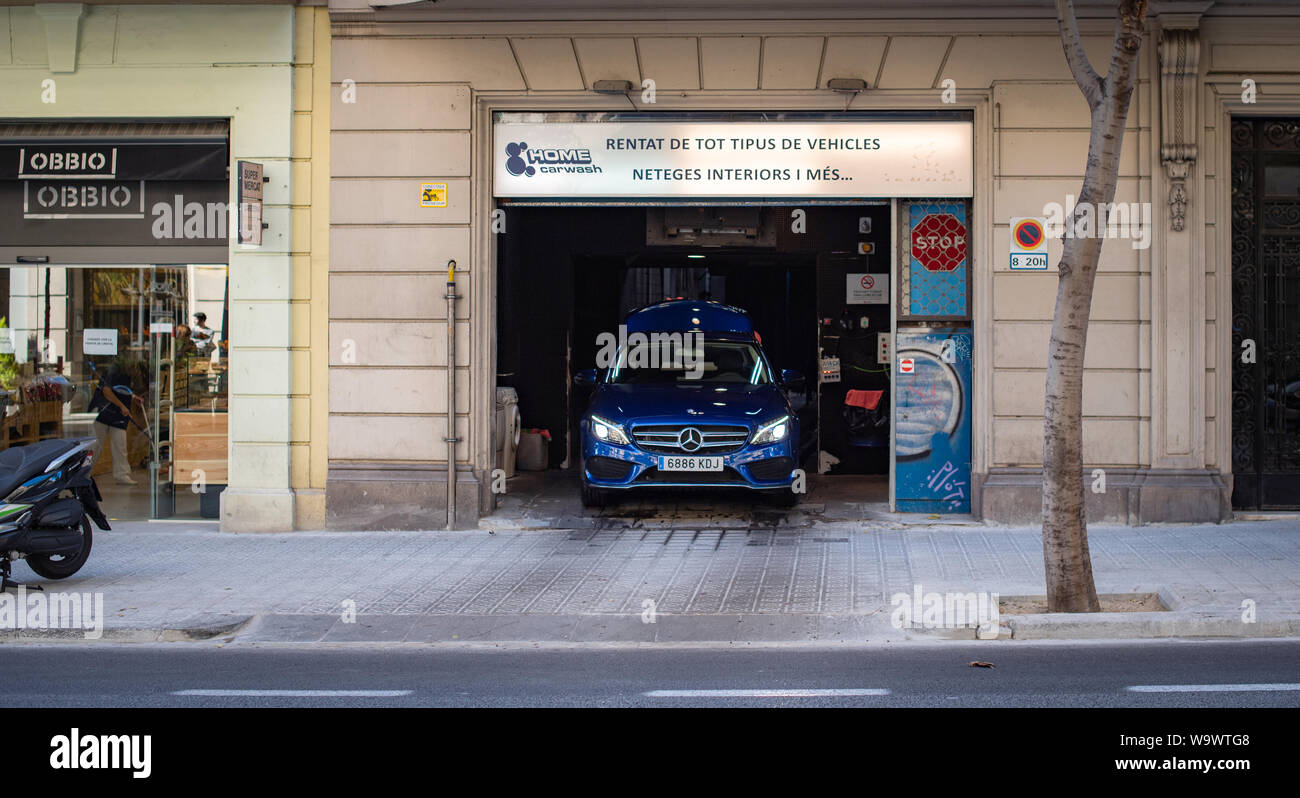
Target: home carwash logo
{"x": 525, "y": 161}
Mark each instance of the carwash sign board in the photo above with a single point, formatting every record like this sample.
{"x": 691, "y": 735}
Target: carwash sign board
{"x": 732, "y": 159}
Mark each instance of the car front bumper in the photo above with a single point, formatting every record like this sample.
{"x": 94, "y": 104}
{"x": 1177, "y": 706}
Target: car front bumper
{"x": 767, "y": 467}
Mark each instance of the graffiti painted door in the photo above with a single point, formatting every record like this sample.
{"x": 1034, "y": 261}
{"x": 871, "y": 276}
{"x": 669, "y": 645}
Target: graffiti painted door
{"x": 932, "y": 419}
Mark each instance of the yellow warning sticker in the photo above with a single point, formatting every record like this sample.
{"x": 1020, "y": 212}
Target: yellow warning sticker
{"x": 433, "y": 195}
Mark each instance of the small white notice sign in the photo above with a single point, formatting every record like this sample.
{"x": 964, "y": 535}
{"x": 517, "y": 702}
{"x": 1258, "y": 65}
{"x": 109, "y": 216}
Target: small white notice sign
{"x": 99, "y": 342}
{"x": 867, "y": 289}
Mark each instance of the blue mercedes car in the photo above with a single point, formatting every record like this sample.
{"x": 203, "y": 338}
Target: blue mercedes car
{"x": 687, "y": 398}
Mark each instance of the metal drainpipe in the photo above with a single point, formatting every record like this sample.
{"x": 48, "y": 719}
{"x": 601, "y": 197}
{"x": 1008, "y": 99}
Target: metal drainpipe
{"x": 451, "y": 394}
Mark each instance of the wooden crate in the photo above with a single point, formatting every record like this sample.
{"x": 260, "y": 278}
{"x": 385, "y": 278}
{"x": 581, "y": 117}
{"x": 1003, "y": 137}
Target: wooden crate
{"x": 201, "y": 443}
{"x": 49, "y": 411}
{"x": 21, "y": 428}
{"x": 50, "y": 418}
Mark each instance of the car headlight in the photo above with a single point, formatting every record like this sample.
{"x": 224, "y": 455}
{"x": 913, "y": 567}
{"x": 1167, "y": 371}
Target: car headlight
{"x": 773, "y": 431}
{"x": 607, "y": 431}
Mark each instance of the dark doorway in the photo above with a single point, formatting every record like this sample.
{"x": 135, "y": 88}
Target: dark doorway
{"x": 1266, "y": 313}
{"x": 776, "y": 290}
{"x": 566, "y": 275}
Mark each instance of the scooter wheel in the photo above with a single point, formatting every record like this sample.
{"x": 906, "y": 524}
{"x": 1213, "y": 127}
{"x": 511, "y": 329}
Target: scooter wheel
{"x": 61, "y": 566}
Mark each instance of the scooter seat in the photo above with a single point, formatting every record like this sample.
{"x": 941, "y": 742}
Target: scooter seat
{"x": 21, "y": 463}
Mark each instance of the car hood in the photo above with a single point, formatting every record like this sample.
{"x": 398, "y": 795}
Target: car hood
{"x": 701, "y": 403}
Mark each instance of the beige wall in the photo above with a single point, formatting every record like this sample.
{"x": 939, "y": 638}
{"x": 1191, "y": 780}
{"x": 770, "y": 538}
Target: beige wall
{"x": 309, "y": 291}
{"x": 423, "y": 113}
{"x": 202, "y": 62}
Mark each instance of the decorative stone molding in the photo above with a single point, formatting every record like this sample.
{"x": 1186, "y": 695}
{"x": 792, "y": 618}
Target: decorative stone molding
{"x": 62, "y": 29}
{"x": 1180, "y": 50}
{"x": 1177, "y": 171}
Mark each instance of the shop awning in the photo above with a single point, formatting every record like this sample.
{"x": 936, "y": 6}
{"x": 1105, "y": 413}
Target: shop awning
{"x": 115, "y": 150}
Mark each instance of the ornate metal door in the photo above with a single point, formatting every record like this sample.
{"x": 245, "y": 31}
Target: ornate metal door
{"x": 1266, "y": 313}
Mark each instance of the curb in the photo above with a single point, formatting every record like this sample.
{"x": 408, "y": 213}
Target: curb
{"x": 193, "y": 629}
{"x": 723, "y": 629}
{"x": 714, "y": 629}
{"x": 574, "y": 629}
{"x": 1137, "y": 625}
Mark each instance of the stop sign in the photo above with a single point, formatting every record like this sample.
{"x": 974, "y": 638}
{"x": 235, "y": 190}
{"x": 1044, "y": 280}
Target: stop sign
{"x": 939, "y": 242}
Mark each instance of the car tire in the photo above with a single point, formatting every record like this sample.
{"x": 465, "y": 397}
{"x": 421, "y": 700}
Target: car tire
{"x": 593, "y": 497}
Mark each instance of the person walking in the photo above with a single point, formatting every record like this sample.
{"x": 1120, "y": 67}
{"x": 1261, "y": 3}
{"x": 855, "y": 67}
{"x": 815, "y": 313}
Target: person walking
{"x": 111, "y": 423}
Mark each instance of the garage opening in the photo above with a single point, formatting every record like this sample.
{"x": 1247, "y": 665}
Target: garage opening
{"x": 813, "y": 279}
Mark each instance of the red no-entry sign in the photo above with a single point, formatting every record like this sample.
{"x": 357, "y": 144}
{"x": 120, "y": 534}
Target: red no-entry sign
{"x": 939, "y": 242}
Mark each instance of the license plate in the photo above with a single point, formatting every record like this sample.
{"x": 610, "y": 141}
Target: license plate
{"x": 690, "y": 463}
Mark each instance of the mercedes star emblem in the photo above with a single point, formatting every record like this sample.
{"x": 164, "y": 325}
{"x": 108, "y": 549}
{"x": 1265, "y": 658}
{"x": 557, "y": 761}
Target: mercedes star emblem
{"x": 690, "y": 439}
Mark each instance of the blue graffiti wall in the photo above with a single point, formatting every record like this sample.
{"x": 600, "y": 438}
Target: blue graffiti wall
{"x": 932, "y": 414}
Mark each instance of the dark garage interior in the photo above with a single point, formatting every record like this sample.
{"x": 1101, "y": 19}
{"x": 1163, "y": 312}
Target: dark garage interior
{"x": 567, "y": 274}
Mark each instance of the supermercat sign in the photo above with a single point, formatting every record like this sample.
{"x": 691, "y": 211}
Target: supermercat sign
{"x": 760, "y": 160}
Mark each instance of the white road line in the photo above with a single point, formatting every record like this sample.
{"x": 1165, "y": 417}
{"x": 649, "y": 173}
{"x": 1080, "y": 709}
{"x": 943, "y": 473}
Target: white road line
{"x": 834, "y": 692}
{"x": 1213, "y": 688}
{"x": 295, "y": 693}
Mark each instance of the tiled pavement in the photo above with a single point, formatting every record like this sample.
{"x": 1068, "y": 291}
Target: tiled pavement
{"x": 709, "y": 568}
{"x": 155, "y": 578}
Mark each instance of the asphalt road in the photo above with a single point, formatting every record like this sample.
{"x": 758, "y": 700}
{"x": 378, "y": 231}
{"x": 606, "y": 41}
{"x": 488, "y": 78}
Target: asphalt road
{"x": 1025, "y": 674}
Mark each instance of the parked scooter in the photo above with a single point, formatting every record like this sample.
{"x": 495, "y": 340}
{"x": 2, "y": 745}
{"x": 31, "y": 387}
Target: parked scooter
{"x": 50, "y": 498}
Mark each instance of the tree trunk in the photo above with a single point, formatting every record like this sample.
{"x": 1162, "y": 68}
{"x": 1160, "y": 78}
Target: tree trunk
{"x": 1070, "y": 585}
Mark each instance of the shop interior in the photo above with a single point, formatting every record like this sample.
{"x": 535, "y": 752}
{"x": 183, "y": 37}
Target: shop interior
{"x": 568, "y": 274}
{"x": 159, "y": 332}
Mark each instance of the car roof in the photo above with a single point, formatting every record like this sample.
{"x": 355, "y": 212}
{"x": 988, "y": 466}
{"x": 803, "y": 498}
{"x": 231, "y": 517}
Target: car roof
{"x": 690, "y": 315}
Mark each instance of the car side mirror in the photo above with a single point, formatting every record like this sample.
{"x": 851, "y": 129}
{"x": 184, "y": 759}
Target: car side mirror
{"x": 585, "y": 378}
{"x": 792, "y": 380}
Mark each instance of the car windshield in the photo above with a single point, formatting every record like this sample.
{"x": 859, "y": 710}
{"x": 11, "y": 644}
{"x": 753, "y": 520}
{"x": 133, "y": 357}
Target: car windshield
{"x": 667, "y": 359}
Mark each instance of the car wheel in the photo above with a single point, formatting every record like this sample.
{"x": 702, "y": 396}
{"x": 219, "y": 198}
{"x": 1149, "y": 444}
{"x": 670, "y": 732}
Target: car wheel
{"x": 593, "y": 497}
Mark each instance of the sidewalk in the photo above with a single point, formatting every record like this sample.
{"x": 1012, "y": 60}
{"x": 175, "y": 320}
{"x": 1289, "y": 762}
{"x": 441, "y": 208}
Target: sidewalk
{"x": 806, "y": 580}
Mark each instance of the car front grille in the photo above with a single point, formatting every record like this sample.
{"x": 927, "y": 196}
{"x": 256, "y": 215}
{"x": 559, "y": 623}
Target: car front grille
{"x": 726, "y": 476}
{"x": 712, "y": 438}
